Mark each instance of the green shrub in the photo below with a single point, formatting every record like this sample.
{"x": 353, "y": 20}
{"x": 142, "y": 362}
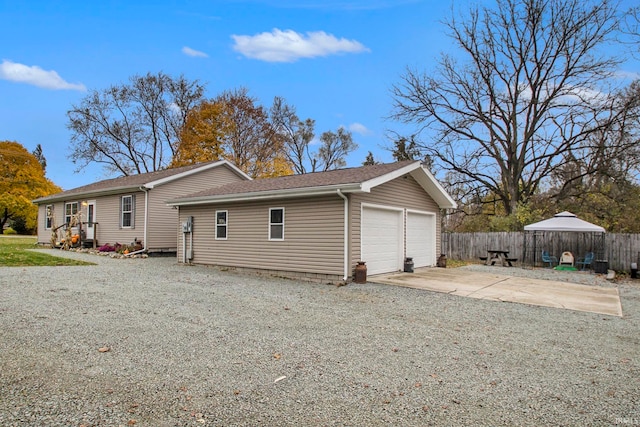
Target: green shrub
{"x": 20, "y": 225}
{"x": 9, "y": 230}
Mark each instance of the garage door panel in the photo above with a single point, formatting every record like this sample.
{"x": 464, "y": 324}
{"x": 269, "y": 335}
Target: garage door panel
{"x": 421, "y": 239}
{"x": 381, "y": 239}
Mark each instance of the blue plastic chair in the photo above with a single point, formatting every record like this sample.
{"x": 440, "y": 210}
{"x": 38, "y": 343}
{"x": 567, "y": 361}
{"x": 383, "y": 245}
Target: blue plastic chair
{"x": 549, "y": 259}
{"x": 586, "y": 261}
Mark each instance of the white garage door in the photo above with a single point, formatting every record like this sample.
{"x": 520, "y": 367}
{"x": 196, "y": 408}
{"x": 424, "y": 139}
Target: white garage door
{"x": 381, "y": 239}
{"x": 421, "y": 239}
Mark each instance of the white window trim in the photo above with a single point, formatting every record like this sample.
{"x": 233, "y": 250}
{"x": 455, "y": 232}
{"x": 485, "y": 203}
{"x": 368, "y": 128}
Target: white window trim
{"x": 48, "y": 220}
{"x": 225, "y": 225}
{"x": 122, "y": 211}
{"x": 72, "y": 213}
{"x": 276, "y": 239}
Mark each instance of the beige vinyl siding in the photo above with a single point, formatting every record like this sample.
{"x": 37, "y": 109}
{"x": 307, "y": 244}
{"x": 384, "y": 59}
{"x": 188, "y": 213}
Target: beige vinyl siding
{"x": 163, "y": 218}
{"x": 403, "y": 193}
{"x": 107, "y": 215}
{"x": 44, "y": 235}
{"x": 313, "y": 235}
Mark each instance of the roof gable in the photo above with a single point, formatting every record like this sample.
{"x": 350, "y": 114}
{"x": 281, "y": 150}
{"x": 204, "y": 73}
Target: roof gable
{"x": 360, "y": 179}
{"x": 133, "y": 182}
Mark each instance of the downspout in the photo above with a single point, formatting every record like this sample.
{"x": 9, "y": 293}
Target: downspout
{"x": 346, "y": 235}
{"x": 146, "y": 217}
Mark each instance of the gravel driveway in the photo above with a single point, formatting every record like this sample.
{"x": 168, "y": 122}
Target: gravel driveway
{"x": 147, "y": 342}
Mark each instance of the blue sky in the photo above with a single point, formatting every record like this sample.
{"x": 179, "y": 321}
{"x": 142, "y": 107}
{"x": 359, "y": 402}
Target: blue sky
{"x": 334, "y": 60}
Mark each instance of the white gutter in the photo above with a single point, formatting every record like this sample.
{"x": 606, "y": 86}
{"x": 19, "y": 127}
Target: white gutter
{"x": 63, "y": 196}
{"x": 346, "y": 235}
{"x": 146, "y": 217}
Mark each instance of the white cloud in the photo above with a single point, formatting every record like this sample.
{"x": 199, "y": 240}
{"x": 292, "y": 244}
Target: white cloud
{"x": 192, "y": 52}
{"x": 359, "y": 128}
{"x": 35, "y": 76}
{"x": 289, "y": 46}
{"x": 627, "y": 75}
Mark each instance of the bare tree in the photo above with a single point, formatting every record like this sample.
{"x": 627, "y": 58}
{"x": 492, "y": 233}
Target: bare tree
{"x": 631, "y": 30}
{"x": 132, "y": 128}
{"x": 611, "y": 159}
{"x": 334, "y": 148}
{"x": 531, "y": 92}
{"x": 298, "y": 136}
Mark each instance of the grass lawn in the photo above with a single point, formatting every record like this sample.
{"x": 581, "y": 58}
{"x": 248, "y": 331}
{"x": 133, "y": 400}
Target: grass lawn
{"x": 15, "y": 252}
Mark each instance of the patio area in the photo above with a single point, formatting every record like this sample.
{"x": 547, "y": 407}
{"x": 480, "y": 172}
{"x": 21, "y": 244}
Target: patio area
{"x": 509, "y": 288}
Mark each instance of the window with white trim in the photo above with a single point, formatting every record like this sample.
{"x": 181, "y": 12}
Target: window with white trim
{"x": 48, "y": 222}
{"x": 221, "y": 225}
{"x": 126, "y": 211}
{"x": 276, "y": 223}
{"x": 70, "y": 209}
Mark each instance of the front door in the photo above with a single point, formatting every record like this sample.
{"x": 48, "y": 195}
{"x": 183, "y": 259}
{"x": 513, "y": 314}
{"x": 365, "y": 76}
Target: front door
{"x": 91, "y": 218}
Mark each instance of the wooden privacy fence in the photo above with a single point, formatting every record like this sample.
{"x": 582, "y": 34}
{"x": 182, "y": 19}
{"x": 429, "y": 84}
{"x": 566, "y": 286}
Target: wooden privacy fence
{"x": 619, "y": 250}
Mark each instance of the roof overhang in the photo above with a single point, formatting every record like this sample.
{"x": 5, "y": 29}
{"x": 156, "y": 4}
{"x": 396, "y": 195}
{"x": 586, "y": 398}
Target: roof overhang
{"x": 433, "y": 188}
{"x": 69, "y": 195}
{"x": 63, "y": 197}
{"x": 426, "y": 180}
{"x": 267, "y": 195}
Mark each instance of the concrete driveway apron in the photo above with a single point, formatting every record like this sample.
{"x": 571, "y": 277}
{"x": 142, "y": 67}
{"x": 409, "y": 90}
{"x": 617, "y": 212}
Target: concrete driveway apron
{"x": 547, "y": 293}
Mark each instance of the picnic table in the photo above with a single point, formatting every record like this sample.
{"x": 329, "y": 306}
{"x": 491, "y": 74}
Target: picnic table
{"x": 498, "y": 255}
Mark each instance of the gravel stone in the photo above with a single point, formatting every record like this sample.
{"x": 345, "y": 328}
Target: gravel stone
{"x": 198, "y": 346}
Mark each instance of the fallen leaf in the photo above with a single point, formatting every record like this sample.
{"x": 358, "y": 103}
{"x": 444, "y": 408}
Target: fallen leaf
{"x": 276, "y": 356}
{"x": 104, "y": 349}
{"x": 132, "y": 422}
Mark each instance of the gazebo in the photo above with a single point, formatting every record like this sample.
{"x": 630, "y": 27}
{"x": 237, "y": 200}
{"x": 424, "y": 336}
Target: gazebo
{"x": 565, "y": 231}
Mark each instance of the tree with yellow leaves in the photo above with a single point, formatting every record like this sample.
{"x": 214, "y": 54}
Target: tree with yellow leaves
{"x": 202, "y": 137}
{"x": 233, "y": 127}
{"x": 22, "y": 179}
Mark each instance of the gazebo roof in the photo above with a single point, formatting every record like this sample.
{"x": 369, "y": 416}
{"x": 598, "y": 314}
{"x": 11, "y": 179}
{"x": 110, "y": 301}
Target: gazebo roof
{"x": 564, "y": 221}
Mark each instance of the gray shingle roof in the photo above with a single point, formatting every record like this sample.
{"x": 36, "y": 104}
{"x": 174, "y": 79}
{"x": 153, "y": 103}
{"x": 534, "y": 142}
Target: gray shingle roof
{"x": 309, "y": 180}
{"x": 131, "y": 181}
